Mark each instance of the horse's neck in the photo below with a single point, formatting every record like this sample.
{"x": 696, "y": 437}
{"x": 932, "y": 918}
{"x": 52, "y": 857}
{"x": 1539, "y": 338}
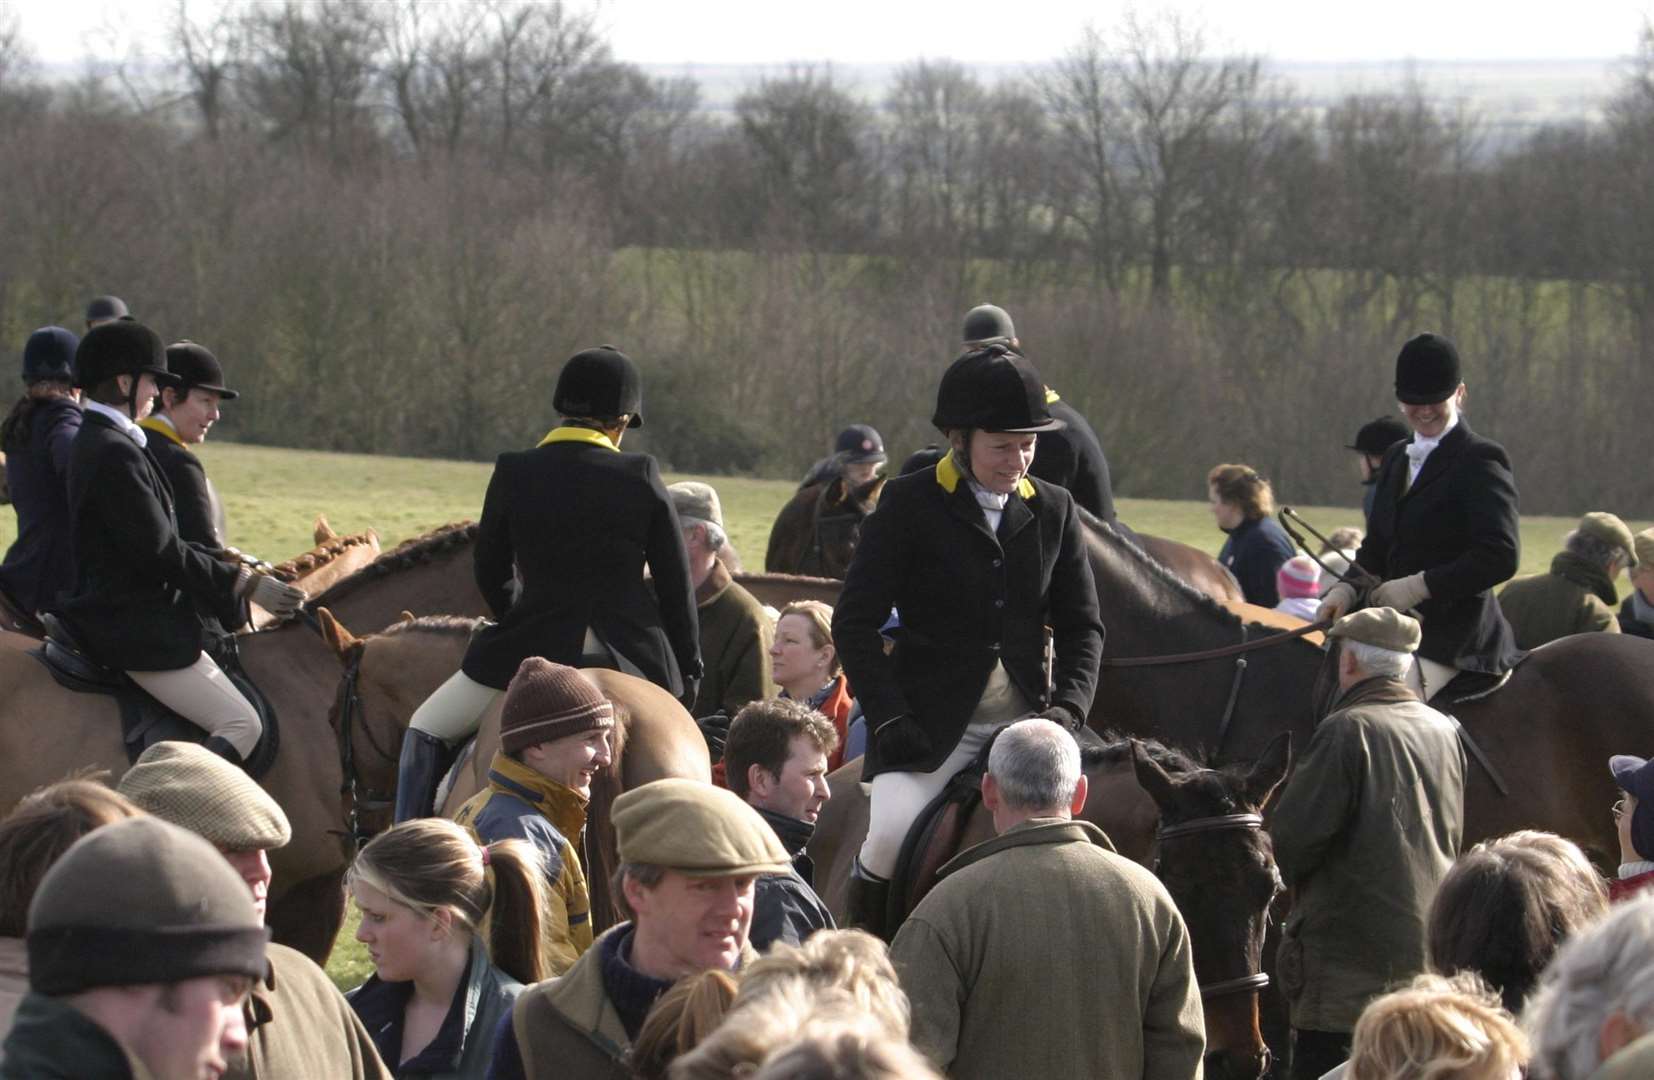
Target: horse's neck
{"x": 443, "y": 584}
{"x": 1145, "y": 614}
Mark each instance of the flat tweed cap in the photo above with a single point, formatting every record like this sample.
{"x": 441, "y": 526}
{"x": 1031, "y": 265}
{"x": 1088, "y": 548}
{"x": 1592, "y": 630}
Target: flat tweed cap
{"x": 1385, "y": 628}
{"x": 695, "y": 829}
{"x": 141, "y": 901}
{"x": 1644, "y": 543}
{"x": 547, "y": 701}
{"x": 696, "y": 501}
{"x": 195, "y": 789}
{"x": 1609, "y": 529}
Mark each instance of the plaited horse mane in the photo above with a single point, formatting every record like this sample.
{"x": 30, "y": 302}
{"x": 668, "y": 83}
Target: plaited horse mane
{"x": 321, "y": 555}
{"x": 1171, "y": 578}
{"x": 410, "y": 553}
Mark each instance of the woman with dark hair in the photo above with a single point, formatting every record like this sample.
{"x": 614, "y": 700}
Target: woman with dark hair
{"x": 36, "y": 438}
{"x": 1507, "y": 905}
{"x": 1244, "y": 505}
{"x": 426, "y": 890}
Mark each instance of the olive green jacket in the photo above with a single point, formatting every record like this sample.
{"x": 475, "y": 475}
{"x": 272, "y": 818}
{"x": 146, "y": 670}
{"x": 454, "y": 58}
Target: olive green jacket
{"x": 1575, "y": 597}
{"x": 736, "y": 633}
{"x": 1043, "y": 953}
{"x": 1366, "y": 827}
{"x": 298, "y": 1024}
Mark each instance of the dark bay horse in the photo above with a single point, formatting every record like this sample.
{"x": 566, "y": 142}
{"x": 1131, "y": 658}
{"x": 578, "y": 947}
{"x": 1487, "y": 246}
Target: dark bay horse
{"x": 388, "y": 674}
{"x": 816, "y": 531}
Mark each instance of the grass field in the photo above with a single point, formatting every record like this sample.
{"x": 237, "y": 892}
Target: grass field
{"x": 272, "y": 496}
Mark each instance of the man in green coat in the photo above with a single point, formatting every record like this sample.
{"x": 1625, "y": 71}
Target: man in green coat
{"x": 1577, "y": 595}
{"x": 1041, "y": 952}
{"x": 1367, "y": 826}
{"x": 736, "y": 631}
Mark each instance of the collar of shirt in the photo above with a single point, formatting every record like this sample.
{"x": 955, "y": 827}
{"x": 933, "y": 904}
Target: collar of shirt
{"x": 121, "y": 421}
{"x": 1419, "y": 449}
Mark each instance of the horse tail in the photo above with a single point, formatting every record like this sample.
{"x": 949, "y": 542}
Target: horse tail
{"x": 602, "y": 853}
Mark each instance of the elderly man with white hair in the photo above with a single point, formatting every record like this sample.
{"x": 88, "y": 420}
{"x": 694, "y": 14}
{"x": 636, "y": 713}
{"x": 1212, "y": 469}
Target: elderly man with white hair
{"x": 1041, "y": 952}
{"x": 1593, "y": 1015}
{"x": 1365, "y": 829}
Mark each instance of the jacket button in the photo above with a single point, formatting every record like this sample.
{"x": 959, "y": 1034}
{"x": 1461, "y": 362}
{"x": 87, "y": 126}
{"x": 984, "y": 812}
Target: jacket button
{"x": 999, "y": 602}
{"x": 999, "y": 562}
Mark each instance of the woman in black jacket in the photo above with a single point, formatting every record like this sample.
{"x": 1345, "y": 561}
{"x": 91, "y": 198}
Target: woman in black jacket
{"x": 36, "y": 438}
{"x": 140, "y": 589}
{"x": 1243, "y": 504}
{"x": 978, "y": 559}
{"x": 566, "y": 531}
{"x": 1445, "y": 528}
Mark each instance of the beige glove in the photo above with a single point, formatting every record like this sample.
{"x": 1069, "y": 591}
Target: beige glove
{"x": 1402, "y": 594}
{"x": 272, "y": 594}
{"x": 1336, "y": 603}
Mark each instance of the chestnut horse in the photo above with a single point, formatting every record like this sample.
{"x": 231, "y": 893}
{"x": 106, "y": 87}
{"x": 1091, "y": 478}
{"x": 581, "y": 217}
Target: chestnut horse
{"x": 388, "y": 674}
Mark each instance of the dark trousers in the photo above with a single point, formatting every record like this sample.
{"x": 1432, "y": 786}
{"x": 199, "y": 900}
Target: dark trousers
{"x": 1316, "y": 1053}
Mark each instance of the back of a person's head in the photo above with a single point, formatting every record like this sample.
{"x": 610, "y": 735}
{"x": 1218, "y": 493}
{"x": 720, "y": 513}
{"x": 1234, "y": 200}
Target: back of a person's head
{"x": 753, "y": 1028}
{"x": 845, "y": 1047}
{"x": 851, "y": 961}
{"x": 680, "y": 1020}
{"x": 1437, "y": 1029}
{"x": 1507, "y": 905}
{"x": 40, "y": 829}
{"x": 1605, "y": 969}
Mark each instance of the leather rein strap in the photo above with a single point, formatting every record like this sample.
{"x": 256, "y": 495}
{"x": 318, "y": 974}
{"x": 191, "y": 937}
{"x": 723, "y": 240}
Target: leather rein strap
{"x": 1218, "y": 653}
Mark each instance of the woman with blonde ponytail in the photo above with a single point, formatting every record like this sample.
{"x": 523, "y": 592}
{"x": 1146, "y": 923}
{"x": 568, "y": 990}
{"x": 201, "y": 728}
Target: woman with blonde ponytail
{"x": 425, "y": 888}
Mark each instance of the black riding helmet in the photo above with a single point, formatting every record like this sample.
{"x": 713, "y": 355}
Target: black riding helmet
{"x": 50, "y": 354}
{"x": 993, "y": 389}
{"x": 121, "y": 348}
{"x": 193, "y": 367}
{"x": 858, "y": 443}
{"x": 599, "y": 383}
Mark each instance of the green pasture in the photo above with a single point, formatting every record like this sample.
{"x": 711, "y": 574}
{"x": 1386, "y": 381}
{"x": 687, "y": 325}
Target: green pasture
{"x": 272, "y": 496}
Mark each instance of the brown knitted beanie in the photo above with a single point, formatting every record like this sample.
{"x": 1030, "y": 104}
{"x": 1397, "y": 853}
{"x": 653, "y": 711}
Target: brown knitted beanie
{"x": 547, "y": 701}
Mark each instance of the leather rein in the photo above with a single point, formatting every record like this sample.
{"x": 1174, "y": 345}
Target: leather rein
{"x": 1244, "y": 984}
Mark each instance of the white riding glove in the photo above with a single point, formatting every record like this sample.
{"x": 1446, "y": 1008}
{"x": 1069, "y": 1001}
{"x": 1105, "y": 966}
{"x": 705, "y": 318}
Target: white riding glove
{"x": 272, "y": 594}
{"x": 1401, "y": 593}
{"x": 1336, "y": 603}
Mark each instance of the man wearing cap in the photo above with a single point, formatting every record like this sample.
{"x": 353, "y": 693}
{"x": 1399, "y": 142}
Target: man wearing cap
{"x": 1637, "y": 613}
{"x": 1364, "y": 830}
{"x": 183, "y": 414}
{"x": 297, "y": 1022}
{"x": 1577, "y": 595}
{"x": 1371, "y": 443}
{"x": 1047, "y": 910}
{"x": 1443, "y": 532}
{"x": 143, "y": 945}
{"x": 690, "y": 854}
{"x": 105, "y": 309}
{"x": 566, "y": 531}
{"x": 735, "y": 630}
{"x": 555, "y": 733}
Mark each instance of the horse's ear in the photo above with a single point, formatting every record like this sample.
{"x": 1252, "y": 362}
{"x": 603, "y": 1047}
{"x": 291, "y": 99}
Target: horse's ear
{"x": 322, "y": 531}
{"x": 341, "y": 640}
{"x": 1269, "y": 770}
{"x": 1161, "y": 788}
{"x": 406, "y": 616}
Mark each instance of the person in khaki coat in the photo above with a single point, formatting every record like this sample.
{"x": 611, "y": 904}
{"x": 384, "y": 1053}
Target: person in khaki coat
{"x": 1364, "y": 831}
{"x": 298, "y": 1024}
{"x": 690, "y": 854}
{"x": 1041, "y": 952}
{"x": 1577, "y": 594}
{"x": 735, "y": 629}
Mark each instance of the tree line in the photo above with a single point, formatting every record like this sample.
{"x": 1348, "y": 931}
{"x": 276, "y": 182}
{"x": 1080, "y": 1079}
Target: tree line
{"x": 392, "y": 221}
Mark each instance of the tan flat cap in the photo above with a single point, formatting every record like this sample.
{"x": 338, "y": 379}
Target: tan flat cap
{"x": 695, "y": 829}
{"x": 194, "y": 788}
{"x": 1385, "y": 628}
{"x": 1643, "y": 542}
{"x": 696, "y": 501}
{"x": 1611, "y": 531}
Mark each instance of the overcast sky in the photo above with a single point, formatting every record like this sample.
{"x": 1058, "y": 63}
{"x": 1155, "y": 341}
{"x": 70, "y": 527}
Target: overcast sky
{"x": 859, "y": 31}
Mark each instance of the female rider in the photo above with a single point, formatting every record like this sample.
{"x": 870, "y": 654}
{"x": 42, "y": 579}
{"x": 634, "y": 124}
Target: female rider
{"x": 140, "y": 589}
{"x": 1443, "y": 530}
{"x": 573, "y": 520}
{"x": 979, "y": 559}
{"x": 36, "y": 438}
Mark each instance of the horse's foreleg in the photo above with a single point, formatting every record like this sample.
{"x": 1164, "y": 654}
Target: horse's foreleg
{"x": 308, "y": 915}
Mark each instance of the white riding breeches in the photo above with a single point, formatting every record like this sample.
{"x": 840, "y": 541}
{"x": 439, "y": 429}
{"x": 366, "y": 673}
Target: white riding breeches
{"x": 205, "y": 696}
{"x": 454, "y": 710}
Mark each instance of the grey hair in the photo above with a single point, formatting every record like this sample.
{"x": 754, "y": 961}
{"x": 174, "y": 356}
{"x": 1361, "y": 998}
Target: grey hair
{"x": 1605, "y": 555}
{"x": 1036, "y": 764}
{"x": 716, "y": 538}
{"x": 1376, "y": 661}
{"x": 1607, "y": 968}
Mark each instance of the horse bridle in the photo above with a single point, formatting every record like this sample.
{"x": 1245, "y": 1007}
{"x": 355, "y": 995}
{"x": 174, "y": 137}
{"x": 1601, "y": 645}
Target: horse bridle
{"x": 348, "y": 707}
{"x": 1244, "y": 984}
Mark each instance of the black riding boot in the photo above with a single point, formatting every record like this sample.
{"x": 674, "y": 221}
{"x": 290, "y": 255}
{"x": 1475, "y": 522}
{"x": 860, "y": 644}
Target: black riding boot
{"x": 223, "y": 749}
{"x": 425, "y": 758}
{"x": 869, "y": 902}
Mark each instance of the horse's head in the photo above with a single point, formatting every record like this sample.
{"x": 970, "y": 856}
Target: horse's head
{"x": 839, "y": 516}
{"x": 1217, "y": 864}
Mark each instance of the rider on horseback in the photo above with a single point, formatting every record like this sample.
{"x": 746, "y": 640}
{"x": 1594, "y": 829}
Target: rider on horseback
{"x": 573, "y": 520}
{"x": 183, "y": 413}
{"x": 1443, "y": 530}
{"x": 141, "y": 590}
{"x": 979, "y": 558}
{"x": 36, "y": 438}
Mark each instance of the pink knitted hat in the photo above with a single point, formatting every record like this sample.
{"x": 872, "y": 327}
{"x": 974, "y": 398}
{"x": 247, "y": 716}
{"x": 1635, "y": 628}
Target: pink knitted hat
{"x": 1298, "y": 576}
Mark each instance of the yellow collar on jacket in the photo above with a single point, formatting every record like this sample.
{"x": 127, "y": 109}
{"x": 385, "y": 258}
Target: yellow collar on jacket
{"x": 948, "y": 475}
{"x": 579, "y": 435}
{"x": 1051, "y": 396}
{"x": 563, "y": 806}
{"x": 161, "y": 427}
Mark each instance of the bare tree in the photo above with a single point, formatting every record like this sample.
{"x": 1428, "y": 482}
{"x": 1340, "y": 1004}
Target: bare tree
{"x": 805, "y": 132}
{"x": 207, "y": 52}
